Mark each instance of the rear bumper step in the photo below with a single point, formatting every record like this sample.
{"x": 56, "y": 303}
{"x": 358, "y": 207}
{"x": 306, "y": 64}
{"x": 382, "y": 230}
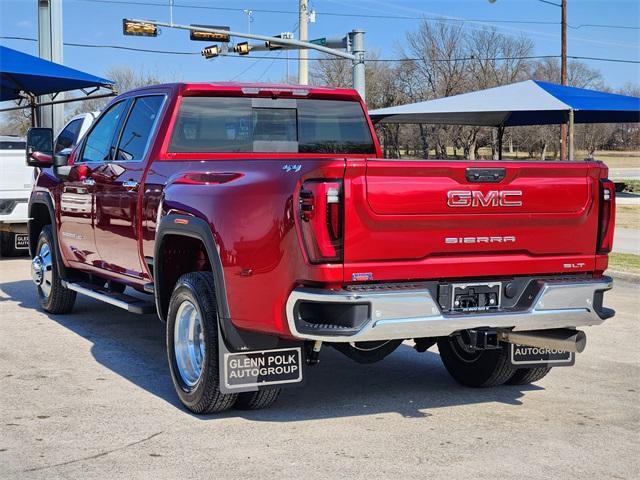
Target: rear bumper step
{"x": 413, "y": 313}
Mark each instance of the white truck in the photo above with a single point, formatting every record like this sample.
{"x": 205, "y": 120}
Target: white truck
{"x": 15, "y": 187}
{"x": 16, "y": 179}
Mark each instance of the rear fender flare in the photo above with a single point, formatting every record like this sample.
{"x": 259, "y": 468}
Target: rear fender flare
{"x": 194, "y": 227}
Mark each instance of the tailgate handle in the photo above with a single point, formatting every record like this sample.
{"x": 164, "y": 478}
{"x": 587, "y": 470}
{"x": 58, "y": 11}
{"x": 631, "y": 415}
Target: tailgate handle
{"x": 485, "y": 175}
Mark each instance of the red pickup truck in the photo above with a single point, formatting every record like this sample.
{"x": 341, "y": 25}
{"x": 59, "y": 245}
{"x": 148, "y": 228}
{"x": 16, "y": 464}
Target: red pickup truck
{"x": 261, "y": 222}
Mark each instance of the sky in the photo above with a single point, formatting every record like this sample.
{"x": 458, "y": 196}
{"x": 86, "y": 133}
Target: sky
{"x": 385, "y": 22}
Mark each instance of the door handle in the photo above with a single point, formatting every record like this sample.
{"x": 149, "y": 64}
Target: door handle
{"x": 130, "y": 184}
{"x": 88, "y": 182}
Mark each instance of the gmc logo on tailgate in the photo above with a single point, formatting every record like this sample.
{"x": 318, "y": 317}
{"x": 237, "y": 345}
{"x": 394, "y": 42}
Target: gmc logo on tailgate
{"x": 492, "y": 198}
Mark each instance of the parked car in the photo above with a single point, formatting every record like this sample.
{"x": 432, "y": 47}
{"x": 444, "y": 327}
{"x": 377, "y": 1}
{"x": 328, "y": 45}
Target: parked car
{"x": 15, "y": 188}
{"x": 263, "y": 223}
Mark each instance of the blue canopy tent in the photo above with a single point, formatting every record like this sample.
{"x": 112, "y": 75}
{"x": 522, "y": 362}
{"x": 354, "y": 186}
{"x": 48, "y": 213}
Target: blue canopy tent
{"x": 531, "y": 102}
{"x": 25, "y": 77}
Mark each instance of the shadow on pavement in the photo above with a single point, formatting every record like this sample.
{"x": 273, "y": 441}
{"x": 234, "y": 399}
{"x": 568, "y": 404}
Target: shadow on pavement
{"x": 407, "y": 382}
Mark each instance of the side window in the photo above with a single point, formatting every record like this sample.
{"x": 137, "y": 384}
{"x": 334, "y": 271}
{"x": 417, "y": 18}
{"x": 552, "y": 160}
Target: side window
{"x": 97, "y": 147}
{"x": 68, "y": 136}
{"x": 138, "y": 127}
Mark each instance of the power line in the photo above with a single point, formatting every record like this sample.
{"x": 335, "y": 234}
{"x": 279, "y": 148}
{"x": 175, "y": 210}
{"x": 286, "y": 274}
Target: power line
{"x": 404, "y": 59}
{"x": 357, "y": 15}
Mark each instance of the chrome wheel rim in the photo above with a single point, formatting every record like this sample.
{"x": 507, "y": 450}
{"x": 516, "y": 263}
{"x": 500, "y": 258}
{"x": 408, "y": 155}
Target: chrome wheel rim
{"x": 188, "y": 343}
{"x": 42, "y": 270}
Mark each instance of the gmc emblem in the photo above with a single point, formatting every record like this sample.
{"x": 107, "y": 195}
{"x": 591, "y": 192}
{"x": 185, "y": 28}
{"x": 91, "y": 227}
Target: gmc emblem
{"x": 492, "y": 198}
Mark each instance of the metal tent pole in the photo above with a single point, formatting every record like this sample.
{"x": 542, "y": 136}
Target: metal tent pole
{"x": 571, "y": 131}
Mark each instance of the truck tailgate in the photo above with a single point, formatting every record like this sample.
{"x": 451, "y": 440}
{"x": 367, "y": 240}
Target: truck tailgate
{"x": 435, "y": 219}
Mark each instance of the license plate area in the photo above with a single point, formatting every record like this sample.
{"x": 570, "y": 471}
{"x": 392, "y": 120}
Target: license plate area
{"x": 534, "y": 357}
{"x": 476, "y": 297}
{"x": 21, "y": 241}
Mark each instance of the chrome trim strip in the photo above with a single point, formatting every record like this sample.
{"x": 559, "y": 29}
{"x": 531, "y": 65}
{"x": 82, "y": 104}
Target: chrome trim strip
{"x": 403, "y": 314}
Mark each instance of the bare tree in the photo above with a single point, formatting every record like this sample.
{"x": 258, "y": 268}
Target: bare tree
{"x": 15, "y": 122}
{"x": 579, "y": 74}
{"x": 125, "y": 78}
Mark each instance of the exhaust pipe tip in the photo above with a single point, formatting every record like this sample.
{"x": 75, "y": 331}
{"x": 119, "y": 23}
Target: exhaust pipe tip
{"x": 558, "y": 339}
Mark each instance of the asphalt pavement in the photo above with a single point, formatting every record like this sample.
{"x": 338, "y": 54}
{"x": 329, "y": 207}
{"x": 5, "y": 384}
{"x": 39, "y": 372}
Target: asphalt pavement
{"x": 88, "y": 395}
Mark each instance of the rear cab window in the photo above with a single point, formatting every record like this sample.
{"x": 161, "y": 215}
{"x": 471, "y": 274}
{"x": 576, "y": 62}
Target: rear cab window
{"x": 252, "y": 125}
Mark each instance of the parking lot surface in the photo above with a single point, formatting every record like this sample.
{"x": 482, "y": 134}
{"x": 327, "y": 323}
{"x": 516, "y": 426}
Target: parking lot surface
{"x": 88, "y": 395}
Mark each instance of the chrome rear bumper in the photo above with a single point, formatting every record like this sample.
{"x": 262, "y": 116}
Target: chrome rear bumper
{"x": 403, "y": 314}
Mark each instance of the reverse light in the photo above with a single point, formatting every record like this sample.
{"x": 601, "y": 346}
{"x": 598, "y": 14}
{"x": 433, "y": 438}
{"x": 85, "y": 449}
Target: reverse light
{"x": 321, "y": 214}
{"x": 607, "y": 214}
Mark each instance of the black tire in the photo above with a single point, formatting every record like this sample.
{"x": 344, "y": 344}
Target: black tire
{"x": 257, "y": 400}
{"x": 481, "y": 368}
{"x": 60, "y": 299}
{"x": 524, "y": 376}
{"x": 204, "y": 396}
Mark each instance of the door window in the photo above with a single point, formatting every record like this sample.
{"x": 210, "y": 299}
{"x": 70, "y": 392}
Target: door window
{"x": 138, "y": 128}
{"x": 97, "y": 148}
{"x": 68, "y": 136}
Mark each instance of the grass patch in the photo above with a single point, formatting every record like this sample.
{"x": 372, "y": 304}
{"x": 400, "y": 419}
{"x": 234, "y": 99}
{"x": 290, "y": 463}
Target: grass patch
{"x": 625, "y": 262}
{"x": 628, "y": 216}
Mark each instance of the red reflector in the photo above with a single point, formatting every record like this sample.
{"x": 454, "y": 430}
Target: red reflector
{"x": 181, "y": 221}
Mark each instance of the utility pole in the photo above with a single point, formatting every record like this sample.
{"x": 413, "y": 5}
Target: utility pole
{"x": 357, "y": 49}
{"x": 563, "y": 81}
{"x": 303, "y": 63}
{"x": 50, "y": 48}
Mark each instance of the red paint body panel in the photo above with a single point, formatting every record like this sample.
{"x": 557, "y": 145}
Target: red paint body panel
{"x": 396, "y": 218}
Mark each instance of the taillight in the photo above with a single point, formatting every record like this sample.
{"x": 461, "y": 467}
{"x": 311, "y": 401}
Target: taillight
{"x": 606, "y": 223}
{"x": 320, "y": 209}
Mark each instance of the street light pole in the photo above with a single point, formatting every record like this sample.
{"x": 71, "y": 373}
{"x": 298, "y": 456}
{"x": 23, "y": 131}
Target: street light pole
{"x": 357, "y": 38}
{"x": 357, "y": 49}
{"x": 303, "y": 63}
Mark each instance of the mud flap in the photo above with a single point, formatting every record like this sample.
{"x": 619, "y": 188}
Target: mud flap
{"x": 534, "y": 357}
{"x": 250, "y": 370}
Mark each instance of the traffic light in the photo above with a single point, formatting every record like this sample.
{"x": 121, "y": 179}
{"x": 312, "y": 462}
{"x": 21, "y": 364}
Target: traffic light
{"x": 271, "y": 45}
{"x": 211, "y": 51}
{"x": 242, "y": 48}
{"x": 204, "y": 36}
{"x": 143, "y": 29}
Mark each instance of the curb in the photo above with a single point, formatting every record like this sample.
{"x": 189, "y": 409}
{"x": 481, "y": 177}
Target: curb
{"x": 626, "y": 276}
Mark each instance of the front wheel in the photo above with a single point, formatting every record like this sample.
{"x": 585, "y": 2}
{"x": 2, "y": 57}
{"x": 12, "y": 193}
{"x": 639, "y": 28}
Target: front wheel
{"x": 54, "y": 297}
{"x": 192, "y": 344}
{"x": 475, "y": 368}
